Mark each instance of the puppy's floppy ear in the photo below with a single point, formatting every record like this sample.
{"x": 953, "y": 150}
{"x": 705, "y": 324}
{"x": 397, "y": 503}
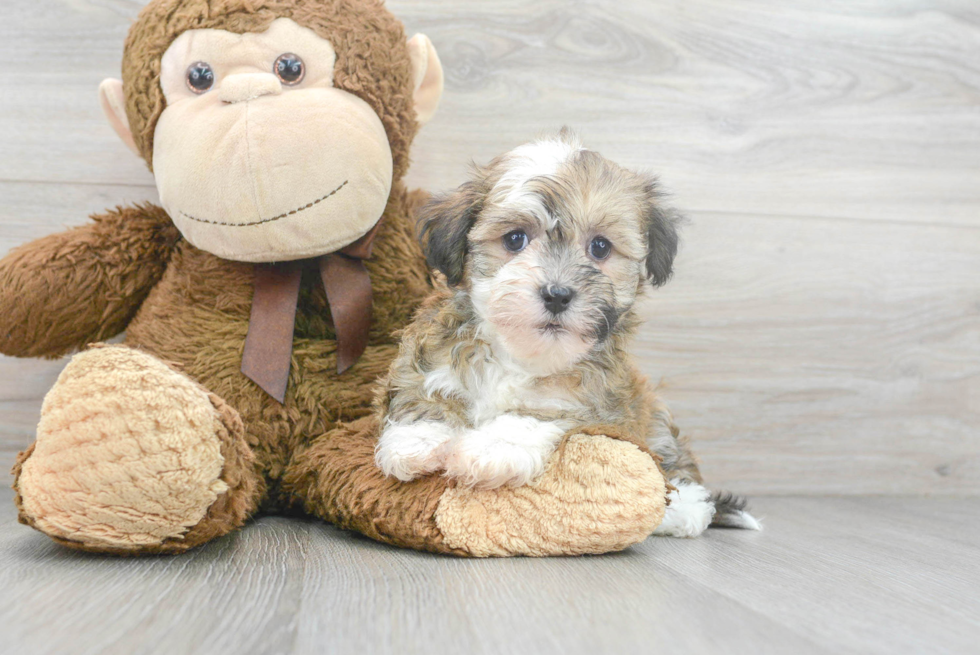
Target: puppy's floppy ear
{"x": 661, "y": 225}
{"x": 443, "y": 225}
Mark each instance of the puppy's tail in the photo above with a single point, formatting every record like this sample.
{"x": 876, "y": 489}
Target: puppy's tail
{"x": 731, "y": 512}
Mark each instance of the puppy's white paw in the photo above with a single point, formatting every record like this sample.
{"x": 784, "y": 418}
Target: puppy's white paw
{"x": 689, "y": 512}
{"x": 510, "y": 450}
{"x": 410, "y": 450}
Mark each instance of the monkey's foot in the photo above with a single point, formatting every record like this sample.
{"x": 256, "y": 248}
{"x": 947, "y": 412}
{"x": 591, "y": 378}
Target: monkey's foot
{"x": 134, "y": 457}
{"x": 597, "y": 494}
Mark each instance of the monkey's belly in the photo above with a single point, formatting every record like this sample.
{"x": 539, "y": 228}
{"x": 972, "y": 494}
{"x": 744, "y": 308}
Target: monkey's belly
{"x": 197, "y": 319}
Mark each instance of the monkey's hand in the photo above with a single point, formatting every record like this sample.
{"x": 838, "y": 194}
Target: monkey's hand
{"x": 66, "y": 290}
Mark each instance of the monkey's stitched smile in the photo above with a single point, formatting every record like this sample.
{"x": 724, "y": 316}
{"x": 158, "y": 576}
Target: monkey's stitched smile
{"x": 266, "y": 220}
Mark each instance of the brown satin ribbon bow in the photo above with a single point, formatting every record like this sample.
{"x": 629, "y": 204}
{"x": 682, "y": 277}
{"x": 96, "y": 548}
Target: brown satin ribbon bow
{"x": 269, "y": 344}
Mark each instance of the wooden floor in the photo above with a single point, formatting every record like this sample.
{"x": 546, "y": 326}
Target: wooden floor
{"x": 820, "y": 341}
{"x": 828, "y": 575}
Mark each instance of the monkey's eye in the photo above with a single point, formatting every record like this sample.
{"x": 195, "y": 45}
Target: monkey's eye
{"x": 516, "y": 240}
{"x": 200, "y": 77}
{"x": 600, "y": 248}
{"x": 289, "y": 69}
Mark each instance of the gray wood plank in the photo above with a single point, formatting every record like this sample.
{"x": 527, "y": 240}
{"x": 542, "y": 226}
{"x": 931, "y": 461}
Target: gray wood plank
{"x": 23, "y": 384}
{"x": 823, "y": 109}
{"x": 874, "y": 575}
{"x": 35, "y": 209}
{"x": 291, "y": 586}
{"x": 869, "y": 575}
{"x": 826, "y": 355}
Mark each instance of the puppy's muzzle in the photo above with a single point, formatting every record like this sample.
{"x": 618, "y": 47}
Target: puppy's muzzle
{"x": 556, "y": 298}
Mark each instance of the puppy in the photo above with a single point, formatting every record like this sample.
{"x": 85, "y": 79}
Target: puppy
{"x": 544, "y": 253}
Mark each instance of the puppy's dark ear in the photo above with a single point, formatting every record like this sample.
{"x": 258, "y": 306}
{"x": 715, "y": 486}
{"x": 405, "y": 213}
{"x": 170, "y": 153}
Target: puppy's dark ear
{"x": 661, "y": 228}
{"x": 443, "y": 225}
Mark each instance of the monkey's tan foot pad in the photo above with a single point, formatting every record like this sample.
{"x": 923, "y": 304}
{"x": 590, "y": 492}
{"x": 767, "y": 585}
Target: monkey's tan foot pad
{"x": 597, "y": 495}
{"x": 128, "y": 456}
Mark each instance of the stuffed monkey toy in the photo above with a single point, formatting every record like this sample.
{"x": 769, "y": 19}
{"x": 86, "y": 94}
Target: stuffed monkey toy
{"x": 261, "y": 302}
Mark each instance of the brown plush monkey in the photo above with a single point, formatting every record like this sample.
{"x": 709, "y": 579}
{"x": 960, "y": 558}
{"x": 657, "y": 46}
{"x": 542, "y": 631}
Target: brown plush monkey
{"x": 278, "y": 132}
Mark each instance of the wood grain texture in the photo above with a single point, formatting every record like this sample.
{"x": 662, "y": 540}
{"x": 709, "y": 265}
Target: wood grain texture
{"x": 839, "y": 355}
{"x": 828, "y": 575}
{"x": 821, "y": 332}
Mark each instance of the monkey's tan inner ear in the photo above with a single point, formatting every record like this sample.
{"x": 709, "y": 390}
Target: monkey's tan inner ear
{"x": 428, "y": 76}
{"x": 113, "y": 103}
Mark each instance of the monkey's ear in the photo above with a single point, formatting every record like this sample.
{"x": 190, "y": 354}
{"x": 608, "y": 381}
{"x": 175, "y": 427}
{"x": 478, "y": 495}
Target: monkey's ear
{"x": 443, "y": 225}
{"x": 113, "y": 103}
{"x": 661, "y": 228}
{"x": 428, "y": 76}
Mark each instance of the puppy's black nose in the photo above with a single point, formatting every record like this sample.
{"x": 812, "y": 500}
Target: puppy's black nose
{"x": 556, "y": 298}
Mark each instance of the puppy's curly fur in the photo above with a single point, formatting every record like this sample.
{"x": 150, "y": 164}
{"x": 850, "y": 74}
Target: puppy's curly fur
{"x": 543, "y": 255}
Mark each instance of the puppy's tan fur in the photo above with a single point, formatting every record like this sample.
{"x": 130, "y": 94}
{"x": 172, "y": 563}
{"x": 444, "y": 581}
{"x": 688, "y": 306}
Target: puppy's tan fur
{"x": 485, "y": 363}
{"x": 604, "y": 388}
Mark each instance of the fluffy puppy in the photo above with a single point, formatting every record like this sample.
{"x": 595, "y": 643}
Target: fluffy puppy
{"x": 544, "y": 253}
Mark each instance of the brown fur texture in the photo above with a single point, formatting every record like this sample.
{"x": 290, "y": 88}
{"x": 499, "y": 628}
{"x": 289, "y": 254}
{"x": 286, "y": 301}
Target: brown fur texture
{"x": 66, "y": 290}
{"x": 379, "y": 507}
{"x": 197, "y": 317}
{"x": 130, "y": 270}
{"x": 606, "y": 386}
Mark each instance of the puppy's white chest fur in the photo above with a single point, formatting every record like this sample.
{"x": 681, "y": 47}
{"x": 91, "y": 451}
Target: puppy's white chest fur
{"x": 491, "y": 387}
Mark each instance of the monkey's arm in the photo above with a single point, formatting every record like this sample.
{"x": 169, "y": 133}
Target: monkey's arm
{"x": 69, "y": 289}
{"x": 597, "y": 495}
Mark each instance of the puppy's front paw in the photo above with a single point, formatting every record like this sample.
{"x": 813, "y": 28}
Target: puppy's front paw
{"x": 509, "y": 450}
{"x": 410, "y": 450}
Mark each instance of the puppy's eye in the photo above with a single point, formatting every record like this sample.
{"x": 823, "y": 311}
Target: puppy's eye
{"x": 515, "y": 241}
{"x": 200, "y": 77}
{"x": 600, "y": 248}
{"x": 289, "y": 69}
